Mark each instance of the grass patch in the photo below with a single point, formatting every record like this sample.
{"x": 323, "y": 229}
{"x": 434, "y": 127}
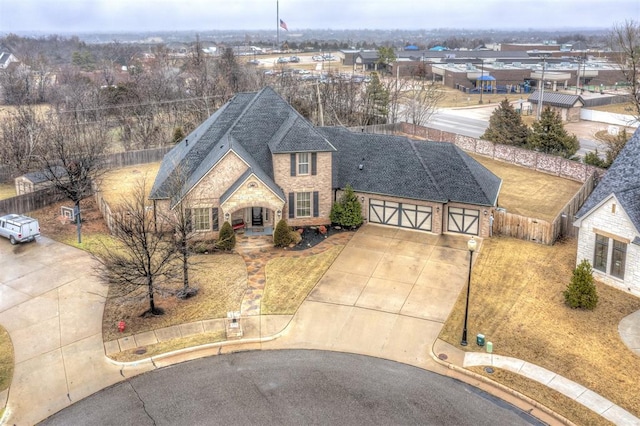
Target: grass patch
{"x": 455, "y": 98}
{"x": 517, "y": 303}
{"x": 7, "y": 190}
{"x": 6, "y": 359}
{"x": 624, "y": 108}
{"x": 289, "y": 280}
{"x": 550, "y": 398}
{"x": 530, "y": 193}
{"x": 169, "y": 346}
{"x": 221, "y": 280}
{"x": 118, "y": 183}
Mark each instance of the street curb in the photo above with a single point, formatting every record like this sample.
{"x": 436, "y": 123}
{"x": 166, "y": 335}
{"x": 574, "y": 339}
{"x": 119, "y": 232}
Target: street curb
{"x": 502, "y": 387}
{"x": 192, "y": 350}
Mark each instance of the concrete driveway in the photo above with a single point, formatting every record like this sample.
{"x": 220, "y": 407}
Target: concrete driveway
{"x": 51, "y": 305}
{"x": 386, "y": 295}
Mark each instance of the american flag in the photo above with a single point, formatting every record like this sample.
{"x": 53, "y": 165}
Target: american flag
{"x": 283, "y": 25}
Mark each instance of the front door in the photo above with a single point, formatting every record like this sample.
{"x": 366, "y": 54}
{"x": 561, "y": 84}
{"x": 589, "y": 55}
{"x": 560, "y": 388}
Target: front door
{"x": 256, "y": 216}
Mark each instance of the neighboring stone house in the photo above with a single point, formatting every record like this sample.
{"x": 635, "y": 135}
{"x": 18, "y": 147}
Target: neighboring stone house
{"x": 256, "y": 160}
{"x": 609, "y": 222}
{"x": 568, "y": 106}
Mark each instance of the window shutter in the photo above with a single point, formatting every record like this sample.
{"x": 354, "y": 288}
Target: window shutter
{"x": 292, "y": 207}
{"x": 314, "y": 163}
{"x": 188, "y": 221}
{"x": 315, "y": 203}
{"x": 293, "y": 164}
{"x": 214, "y": 215}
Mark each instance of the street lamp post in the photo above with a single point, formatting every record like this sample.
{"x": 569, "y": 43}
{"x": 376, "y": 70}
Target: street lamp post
{"x": 471, "y": 245}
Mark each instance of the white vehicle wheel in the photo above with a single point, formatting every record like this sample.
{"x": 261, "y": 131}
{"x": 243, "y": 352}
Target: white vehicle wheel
{"x": 13, "y": 240}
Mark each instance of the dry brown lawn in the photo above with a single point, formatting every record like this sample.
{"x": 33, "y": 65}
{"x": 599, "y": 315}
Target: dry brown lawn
{"x": 548, "y": 397}
{"x": 517, "y": 303}
{"x": 530, "y": 193}
{"x": 6, "y": 359}
{"x": 117, "y": 183}
{"x": 455, "y": 98}
{"x": 7, "y": 190}
{"x": 626, "y": 108}
{"x": 221, "y": 280}
{"x": 289, "y": 280}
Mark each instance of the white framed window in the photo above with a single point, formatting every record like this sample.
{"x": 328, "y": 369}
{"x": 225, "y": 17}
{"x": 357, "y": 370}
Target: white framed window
{"x": 303, "y": 163}
{"x": 201, "y": 220}
{"x": 303, "y": 204}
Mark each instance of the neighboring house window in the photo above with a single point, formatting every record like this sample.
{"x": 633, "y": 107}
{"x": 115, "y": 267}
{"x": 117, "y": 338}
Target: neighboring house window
{"x": 303, "y": 163}
{"x": 601, "y": 253}
{"x": 303, "y": 204}
{"x": 201, "y": 219}
{"x": 610, "y": 256}
{"x": 618, "y": 258}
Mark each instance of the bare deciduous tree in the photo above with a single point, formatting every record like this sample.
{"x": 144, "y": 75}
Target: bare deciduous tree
{"x": 421, "y": 102}
{"x": 21, "y": 133}
{"x": 624, "y": 40}
{"x": 71, "y": 156}
{"x": 144, "y": 258}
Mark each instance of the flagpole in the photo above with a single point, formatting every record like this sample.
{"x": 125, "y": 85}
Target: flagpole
{"x": 278, "y": 24}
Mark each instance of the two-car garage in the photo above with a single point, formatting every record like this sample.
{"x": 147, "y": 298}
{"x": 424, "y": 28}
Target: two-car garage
{"x": 412, "y": 216}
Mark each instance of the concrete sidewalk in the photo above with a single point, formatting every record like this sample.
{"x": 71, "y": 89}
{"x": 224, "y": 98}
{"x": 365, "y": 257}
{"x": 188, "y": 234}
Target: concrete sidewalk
{"x": 573, "y": 390}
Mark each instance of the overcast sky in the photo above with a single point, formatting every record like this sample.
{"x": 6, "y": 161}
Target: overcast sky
{"x": 76, "y": 16}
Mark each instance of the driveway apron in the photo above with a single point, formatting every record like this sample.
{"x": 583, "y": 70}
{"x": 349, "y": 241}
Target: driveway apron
{"x": 387, "y": 295}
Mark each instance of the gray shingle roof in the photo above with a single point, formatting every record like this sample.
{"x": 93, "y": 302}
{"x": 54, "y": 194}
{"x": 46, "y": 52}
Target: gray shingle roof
{"x": 556, "y": 99}
{"x": 253, "y": 125}
{"x": 398, "y": 166}
{"x": 623, "y": 180}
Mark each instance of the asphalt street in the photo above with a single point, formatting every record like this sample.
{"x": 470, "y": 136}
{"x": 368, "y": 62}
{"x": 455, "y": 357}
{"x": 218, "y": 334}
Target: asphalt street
{"x": 474, "y": 121}
{"x": 291, "y": 387}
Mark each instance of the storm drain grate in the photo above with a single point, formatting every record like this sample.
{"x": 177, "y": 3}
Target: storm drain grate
{"x": 443, "y": 356}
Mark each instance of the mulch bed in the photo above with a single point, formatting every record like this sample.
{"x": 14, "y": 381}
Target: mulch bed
{"x": 311, "y": 236}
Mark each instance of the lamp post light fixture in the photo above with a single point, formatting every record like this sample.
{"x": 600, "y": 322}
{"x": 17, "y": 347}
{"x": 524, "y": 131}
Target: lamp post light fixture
{"x": 471, "y": 246}
{"x": 544, "y": 56}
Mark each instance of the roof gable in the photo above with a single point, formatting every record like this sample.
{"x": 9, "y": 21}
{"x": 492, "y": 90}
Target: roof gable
{"x": 623, "y": 180}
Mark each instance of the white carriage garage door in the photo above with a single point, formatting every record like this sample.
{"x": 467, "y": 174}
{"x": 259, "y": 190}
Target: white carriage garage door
{"x": 463, "y": 221}
{"x": 400, "y": 214}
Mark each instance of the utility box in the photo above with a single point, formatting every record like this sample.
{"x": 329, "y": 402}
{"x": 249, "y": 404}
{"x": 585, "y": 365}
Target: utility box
{"x": 489, "y": 347}
{"x": 480, "y": 339}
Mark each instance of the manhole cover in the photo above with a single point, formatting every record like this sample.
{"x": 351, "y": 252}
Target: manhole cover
{"x": 141, "y": 351}
{"x": 488, "y": 370}
{"x": 443, "y": 356}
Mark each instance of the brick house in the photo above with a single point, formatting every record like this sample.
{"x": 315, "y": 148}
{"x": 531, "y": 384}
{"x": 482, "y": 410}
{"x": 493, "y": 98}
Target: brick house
{"x": 609, "y": 222}
{"x": 256, "y": 160}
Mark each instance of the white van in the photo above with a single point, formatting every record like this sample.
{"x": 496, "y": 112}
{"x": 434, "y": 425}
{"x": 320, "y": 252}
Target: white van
{"x": 18, "y": 228}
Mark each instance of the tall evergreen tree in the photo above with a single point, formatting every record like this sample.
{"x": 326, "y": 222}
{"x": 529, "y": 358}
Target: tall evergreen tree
{"x": 549, "y": 136}
{"x": 506, "y": 126}
{"x": 377, "y": 101}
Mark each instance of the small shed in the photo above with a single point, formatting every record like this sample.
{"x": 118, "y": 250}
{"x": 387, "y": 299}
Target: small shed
{"x": 568, "y": 106}
{"x": 34, "y": 181}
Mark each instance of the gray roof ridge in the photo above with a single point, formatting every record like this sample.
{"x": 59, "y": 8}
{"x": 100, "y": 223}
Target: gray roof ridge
{"x": 472, "y": 171}
{"x": 424, "y": 165}
{"x": 282, "y": 131}
{"x": 244, "y": 110}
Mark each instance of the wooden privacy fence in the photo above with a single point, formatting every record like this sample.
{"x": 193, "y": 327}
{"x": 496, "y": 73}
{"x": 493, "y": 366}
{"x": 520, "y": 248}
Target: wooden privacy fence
{"x": 522, "y": 227}
{"x": 32, "y": 201}
{"x": 541, "y": 231}
{"x": 104, "y": 207}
